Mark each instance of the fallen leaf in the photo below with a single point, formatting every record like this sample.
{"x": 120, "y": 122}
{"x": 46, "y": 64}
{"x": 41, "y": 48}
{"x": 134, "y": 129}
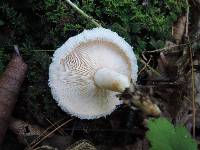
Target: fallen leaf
{"x": 10, "y": 83}
{"x": 178, "y": 29}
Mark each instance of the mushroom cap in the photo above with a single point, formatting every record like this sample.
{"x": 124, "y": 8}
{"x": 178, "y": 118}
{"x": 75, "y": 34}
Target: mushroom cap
{"x": 71, "y": 73}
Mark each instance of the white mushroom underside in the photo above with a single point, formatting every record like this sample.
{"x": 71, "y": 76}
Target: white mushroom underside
{"x": 71, "y": 74}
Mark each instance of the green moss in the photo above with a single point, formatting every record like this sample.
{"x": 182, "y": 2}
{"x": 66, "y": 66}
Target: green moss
{"x": 139, "y": 23}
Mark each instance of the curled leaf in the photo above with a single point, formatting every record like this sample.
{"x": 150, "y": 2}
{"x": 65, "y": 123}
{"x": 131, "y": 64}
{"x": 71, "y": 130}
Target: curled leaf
{"x": 178, "y": 29}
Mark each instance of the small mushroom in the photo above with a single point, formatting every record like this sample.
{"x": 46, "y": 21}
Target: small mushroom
{"x": 89, "y": 70}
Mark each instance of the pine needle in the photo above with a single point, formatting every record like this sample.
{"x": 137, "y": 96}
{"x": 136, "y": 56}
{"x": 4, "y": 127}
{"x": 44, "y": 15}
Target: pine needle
{"x": 50, "y": 133}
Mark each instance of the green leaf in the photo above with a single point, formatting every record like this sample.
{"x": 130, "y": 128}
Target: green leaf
{"x": 164, "y": 136}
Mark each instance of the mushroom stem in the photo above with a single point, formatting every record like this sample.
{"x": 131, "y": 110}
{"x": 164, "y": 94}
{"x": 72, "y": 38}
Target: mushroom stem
{"x": 106, "y": 78}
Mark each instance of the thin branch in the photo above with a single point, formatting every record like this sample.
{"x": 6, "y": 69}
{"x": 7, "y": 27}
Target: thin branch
{"x": 193, "y": 93}
{"x": 150, "y": 68}
{"x": 166, "y": 48}
{"x": 83, "y": 13}
{"x": 145, "y": 66}
{"x": 171, "y": 47}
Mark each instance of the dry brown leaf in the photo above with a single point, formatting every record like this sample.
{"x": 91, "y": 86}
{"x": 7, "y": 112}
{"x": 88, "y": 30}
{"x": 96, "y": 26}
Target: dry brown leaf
{"x": 10, "y": 83}
{"x": 23, "y": 130}
{"x": 178, "y": 29}
{"x": 82, "y": 145}
{"x": 27, "y": 133}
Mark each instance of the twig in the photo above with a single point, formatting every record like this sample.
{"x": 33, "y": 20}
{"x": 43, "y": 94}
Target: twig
{"x": 83, "y": 13}
{"x": 166, "y": 48}
{"x": 193, "y": 93}
{"x": 145, "y": 66}
{"x": 171, "y": 47}
{"x": 144, "y": 63}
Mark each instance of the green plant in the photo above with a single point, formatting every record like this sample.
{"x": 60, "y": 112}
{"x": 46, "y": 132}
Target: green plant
{"x": 13, "y": 18}
{"x": 164, "y": 136}
{"x": 145, "y": 26}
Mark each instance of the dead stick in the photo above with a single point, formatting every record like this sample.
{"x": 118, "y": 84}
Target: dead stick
{"x": 193, "y": 92}
{"x": 150, "y": 68}
{"x": 10, "y": 83}
{"x": 83, "y": 13}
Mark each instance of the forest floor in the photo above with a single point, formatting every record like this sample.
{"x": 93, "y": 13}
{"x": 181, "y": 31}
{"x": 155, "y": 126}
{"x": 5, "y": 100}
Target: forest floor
{"x": 168, "y": 69}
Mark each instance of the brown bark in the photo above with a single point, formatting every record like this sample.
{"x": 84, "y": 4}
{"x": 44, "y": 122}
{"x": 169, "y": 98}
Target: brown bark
{"x": 10, "y": 83}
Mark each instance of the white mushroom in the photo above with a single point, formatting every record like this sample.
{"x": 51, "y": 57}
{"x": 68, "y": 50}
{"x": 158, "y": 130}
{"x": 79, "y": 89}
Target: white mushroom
{"x": 89, "y": 70}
